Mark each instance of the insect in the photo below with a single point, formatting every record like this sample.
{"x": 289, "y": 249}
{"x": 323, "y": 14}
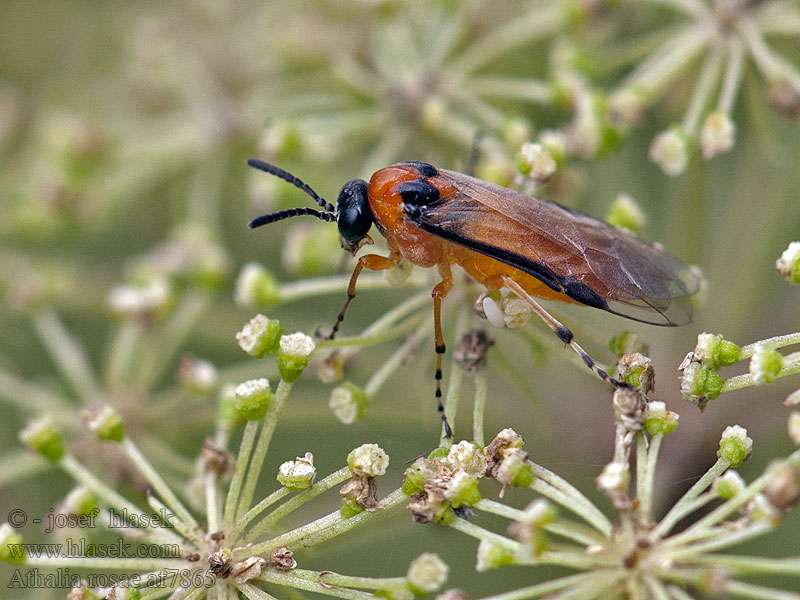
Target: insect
{"x": 501, "y": 238}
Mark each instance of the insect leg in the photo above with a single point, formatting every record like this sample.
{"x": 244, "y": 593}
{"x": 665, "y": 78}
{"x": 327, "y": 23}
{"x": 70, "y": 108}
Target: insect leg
{"x": 474, "y": 154}
{"x": 563, "y": 333}
{"x": 373, "y": 262}
{"x": 440, "y": 290}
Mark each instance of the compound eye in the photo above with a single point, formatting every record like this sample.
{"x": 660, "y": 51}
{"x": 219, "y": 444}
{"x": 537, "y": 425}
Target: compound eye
{"x": 354, "y": 214}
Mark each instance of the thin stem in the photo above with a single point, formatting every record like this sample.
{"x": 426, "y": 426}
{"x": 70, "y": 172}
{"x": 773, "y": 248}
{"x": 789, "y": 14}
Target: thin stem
{"x": 251, "y": 514}
{"x": 268, "y": 424}
{"x": 779, "y": 341}
{"x": 693, "y": 8}
{"x": 548, "y": 587}
{"x": 30, "y": 397}
{"x": 320, "y": 286}
{"x": 511, "y": 87}
{"x": 121, "y": 357}
{"x": 773, "y": 66}
{"x": 455, "y": 378}
{"x": 213, "y": 513}
{"x": 575, "y": 501}
{"x": 645, "y": 492}
{"x": 482, "y": 534}
{"x": 302, "y": 583}
{"x": 379, "y": 337}
{"x": 18, "y": 465}
{"x": 68, "y": 354}
{"x": 723, "y": 540}
{"x": 119, "y": 564}
{"x": 532, "y": 26}
{"x": 160, "y": 486}
{"x": 709, "y": 75}
{"x": 752, "y": 565}
{"x": 479, "y": 408}
{"x": 162, "y": 348}
{"x": 364, "y": 583}
{"x": 732, "y": 78}
{"x": 239, "y": 470}
{"x": 396, "y": 359}
{"x": 319, "y": 531}
{"x": 113, "y": 499}
{"x": 791, "y": 365}
{"x": 252, "y": 592}
{"x": 677, "y": 512}
{"x": 297, "y": 501}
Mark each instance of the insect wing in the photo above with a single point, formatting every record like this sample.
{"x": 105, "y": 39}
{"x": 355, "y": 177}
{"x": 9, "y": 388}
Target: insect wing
{"x": 587, "y": 260}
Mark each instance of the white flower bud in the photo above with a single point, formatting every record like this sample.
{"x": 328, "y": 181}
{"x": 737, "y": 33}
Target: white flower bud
{"x": 788, "y": 265}
{"x": 537, "y": 161}
{"x": 467, "y": 457}
{"x": 765, "y": 364}
{"x": 427, "y": 573}
{"x": 670, "y": 151}
{"x": 369, "y": 460}
{"x": 794, "y": 427}
{"x": 717, "y": 135}
{"x": 298, "y": 474}
{"x": 613, "y": 478}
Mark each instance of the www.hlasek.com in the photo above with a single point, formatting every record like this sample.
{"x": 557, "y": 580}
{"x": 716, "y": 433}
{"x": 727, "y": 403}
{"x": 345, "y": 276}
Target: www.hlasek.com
{"x": 79, "y": 547}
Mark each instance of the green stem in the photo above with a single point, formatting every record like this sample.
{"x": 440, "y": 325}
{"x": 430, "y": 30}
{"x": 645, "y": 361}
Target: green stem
{"x": 677, "y": 512}
{"x": 709, "y": 75}
{"x": 318, "y": 531}
{"x": 269, "y": 422}
{"x": 790, "y": 366}
{"x": 550, "y": 587}
{"x": 479, "y": 408}
{"x": 393, "y": 363}
{"x": 646, "y": 489}
{"x": 239, "y": 471}
{"x": 297, "y": 501}
{"x": 455, "y": 379}
{"x": 732, "y": 78}
{"x": 68, "y": 354}
{"x": 290, "y": 579}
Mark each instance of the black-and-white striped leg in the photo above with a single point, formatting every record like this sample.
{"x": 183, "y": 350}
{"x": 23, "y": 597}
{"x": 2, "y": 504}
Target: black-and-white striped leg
{"x": 561, "y": 331}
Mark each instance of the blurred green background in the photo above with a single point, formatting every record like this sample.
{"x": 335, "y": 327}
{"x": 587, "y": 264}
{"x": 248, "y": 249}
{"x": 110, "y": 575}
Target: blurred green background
{"x": 124, "y": 126}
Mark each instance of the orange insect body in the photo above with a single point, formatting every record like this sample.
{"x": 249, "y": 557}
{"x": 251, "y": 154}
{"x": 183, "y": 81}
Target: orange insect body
{"x": 427, "y": 250}
{"x": 501, "y": 238}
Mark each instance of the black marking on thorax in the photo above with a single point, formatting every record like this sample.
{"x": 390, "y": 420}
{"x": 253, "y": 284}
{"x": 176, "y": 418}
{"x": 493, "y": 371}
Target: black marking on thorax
{"x": 424, "y": 169}
{"x": 418, "y": 192}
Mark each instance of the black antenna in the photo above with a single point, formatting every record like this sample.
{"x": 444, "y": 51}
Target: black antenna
{"x": 290, "y": 212}
{"x": 288, "y": 177}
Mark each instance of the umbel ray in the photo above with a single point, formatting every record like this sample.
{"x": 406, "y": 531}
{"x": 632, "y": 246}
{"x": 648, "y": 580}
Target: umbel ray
{"x": 501, "y": 238}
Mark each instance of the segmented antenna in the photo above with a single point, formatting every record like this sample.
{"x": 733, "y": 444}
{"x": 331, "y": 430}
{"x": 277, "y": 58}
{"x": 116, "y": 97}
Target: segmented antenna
{"x": 288, "y": 177}
{"x": 290, "y": 212}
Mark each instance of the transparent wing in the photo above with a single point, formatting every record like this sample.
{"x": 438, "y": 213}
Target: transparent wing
{"x": 588, "y": 260}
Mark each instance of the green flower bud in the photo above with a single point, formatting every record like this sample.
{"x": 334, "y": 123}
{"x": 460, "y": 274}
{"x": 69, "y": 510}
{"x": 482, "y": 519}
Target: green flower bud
{"x": 492, "y": 555}
{"x": 728, "y": 485}
{"x": 107, "y": 424}
{"x": 253, "y": 398}
{"x": 80, "y": 501}
{"x": 293, "y": 353}
{"x": 657, "y": 419}
{"x": 699, "y": 383}
{"x": 369, "y": 460}
{"x": 735, "y": 446}
{"x": 256, "y": 287}
{"x": 42, "y": 437}
{"x": 444, "y": 514}
{"x": 765, "y": 364}
{"x": 716, "y": 351}
{"x": 261, "y": 336}
{"x": 427, "y": 574}
{"x": 788, "y": 265}
{"x": 11, "y": 550}
{"x": 514, "y": 468}
{"x": 415, "y": 476}
{"x": 298, "y": 474}
{"x": 350, "y": 508}
{"x": 348, "y": 402}
{"x": 439, "y": 453}
{"x": 462, "y": 490}
{"x": 626, "y": 213}
{"x": 636, "y": 370}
